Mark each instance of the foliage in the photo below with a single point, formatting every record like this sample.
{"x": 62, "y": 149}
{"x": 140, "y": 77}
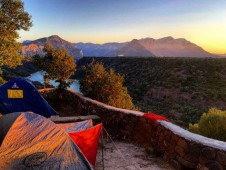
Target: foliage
{"x": 156, "y": 84}
{"x": 58, "y": 64}
{"x": 46, "y": 80}
{"x": 12, "y": 19}
{"x": 23, "y": 70}
{"x": 1, "y": 79}
{"x": 212, "y": 124}
{"x": 105, "y": 86}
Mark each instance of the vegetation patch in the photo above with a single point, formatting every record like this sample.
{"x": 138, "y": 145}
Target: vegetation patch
{"x": 105, "y": 86}
{"x": 212, "y": 124}
{"x": 178, "y": 88}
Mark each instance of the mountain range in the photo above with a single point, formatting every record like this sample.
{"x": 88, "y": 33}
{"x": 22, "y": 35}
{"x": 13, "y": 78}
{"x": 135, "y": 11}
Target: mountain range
{"x": 147, "y": 47}
{"x": 30, "y": 48}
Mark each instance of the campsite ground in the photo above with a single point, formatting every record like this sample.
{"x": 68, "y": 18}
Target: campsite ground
{"x": 126, "y": 156}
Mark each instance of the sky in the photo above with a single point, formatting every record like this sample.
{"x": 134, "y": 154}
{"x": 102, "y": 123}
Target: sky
{"x": 202, "y": 22}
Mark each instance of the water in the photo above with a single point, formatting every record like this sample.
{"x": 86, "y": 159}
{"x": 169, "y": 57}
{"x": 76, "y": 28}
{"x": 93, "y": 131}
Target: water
{"x": 38, "y": 76}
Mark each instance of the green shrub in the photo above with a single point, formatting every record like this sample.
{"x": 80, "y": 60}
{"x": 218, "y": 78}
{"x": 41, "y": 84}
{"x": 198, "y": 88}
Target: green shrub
{"x": 212, "y": 124}
{"x": 105, "y": 86}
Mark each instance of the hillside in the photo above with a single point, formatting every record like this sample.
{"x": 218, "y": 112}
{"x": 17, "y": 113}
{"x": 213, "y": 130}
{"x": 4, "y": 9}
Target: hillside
{"x": 180, "y": 88}
{"x": 30, "y": 48}
{"x": 23, "y": 70}
{"x": 147, "y": 47}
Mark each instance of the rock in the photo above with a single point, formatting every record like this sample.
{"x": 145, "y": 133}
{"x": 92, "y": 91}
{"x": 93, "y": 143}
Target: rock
{"x": 193, "y": 153}
{"x": 143, "y": 120}
{"x": 180, "y": 150}
{"x": 182, "y": 143}
{"x": 186, "y": 163}
{"x": 221, "y": 157}
{"x": 161, "y": 136}
{"x": 213, "y": 165}
{"x": 202, "y": 167}
{"x": 181, "y": 147}
{"x": 171, "y": 148}
{"x": 208, "y": 153}
{"x": 176, "y": 165}
{"x": 174, "y": 138}
{"x": 168, "y": 156}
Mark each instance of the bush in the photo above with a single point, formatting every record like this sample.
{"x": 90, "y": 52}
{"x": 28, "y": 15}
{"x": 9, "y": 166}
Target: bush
{"x": 105, "y": 86}
{"x": 58, "y": 64}
{"x": 212, "y": 124}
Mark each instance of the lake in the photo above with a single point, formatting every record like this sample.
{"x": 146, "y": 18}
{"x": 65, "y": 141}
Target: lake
{"x": 38, "y": 76}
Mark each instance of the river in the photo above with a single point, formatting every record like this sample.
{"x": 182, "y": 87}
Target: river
{"x": 38, "y": 76}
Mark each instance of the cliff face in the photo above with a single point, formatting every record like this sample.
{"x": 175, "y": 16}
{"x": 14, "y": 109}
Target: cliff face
{"x": 31, "y": 48}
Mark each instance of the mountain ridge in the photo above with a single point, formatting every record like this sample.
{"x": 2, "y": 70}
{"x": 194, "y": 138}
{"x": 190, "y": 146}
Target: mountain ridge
{"x": 31, "y": 48}
{"x": 148, "y": 47}
{"x": 145, "y": 47}
{"x": 92, "y": 49}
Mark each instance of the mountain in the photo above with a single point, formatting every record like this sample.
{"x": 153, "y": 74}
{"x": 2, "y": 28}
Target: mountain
{"x": 132, "y": 49}
{"x": 30, "y": 48}
{"x": 98, "y": 50}
{"x": 147, "y": 47}
{"x": 170, "y": 47}
{"x": 26, "y": 42}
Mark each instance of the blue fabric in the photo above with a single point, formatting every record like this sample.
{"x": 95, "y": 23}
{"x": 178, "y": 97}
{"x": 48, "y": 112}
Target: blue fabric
{"x": 31, "y": 101}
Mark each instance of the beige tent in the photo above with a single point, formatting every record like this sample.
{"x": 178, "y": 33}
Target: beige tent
{"x": 30, "y": 141}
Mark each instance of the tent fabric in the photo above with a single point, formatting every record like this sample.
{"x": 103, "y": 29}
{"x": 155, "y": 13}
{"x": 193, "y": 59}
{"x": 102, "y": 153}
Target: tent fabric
{"x": 87, "y": 141}
{"x": 77, "y": 126}
{"x": 20, "y": 95}
{"x": 154, "y": 117}
{"x": 31, "y": 141}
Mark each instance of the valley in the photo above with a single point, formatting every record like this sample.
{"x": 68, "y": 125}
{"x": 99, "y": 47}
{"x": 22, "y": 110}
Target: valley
{"x": 178, "y": 88}
{"x": 168, "y": 76}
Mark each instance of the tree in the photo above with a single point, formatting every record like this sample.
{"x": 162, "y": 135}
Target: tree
{"x": 57, "y": 64}
{"x": 211, "y": 124}
{"x": 105, "y": 86}
{"x": 12, "y": 19}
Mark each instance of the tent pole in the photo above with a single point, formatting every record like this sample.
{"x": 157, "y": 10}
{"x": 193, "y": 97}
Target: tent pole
{"x": 102, "y": 147}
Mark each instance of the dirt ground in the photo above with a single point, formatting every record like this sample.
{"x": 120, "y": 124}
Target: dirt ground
{"x": 126, "y": 156}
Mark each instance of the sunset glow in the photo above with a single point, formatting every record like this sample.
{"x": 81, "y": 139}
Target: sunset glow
{"x": 201, "y": 22}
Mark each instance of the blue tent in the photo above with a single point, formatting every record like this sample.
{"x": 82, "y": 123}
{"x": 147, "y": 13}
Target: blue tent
{"x": 20, "y": 95}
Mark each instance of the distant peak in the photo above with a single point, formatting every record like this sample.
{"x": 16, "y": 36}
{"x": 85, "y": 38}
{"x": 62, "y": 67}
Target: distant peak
{"x": 147, "y": 38}
{"x": 54, "y": 36}
{"x": 167, "y": 38}
{"x": 135, "y": 40}
{"x": 182, "y": 39}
